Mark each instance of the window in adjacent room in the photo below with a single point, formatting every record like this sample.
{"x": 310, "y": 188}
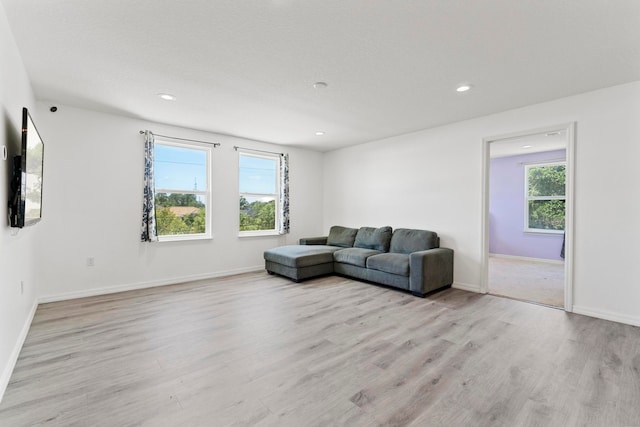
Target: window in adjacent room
{"x": 182, "y": 190}
{"x": 259, "y": 183}
{"x": 545, "y": 197}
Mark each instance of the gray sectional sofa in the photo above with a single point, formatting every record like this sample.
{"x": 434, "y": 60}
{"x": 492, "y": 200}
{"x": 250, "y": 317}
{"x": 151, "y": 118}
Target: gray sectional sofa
{"x": 404, "y": 258}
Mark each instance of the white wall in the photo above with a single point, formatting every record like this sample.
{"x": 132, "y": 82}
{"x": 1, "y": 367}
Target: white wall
{"x": 429, "y": 179}
{"x": 17, "y": 251}
{"x": 93, "y": 202}
{"x": 433, "y": 179}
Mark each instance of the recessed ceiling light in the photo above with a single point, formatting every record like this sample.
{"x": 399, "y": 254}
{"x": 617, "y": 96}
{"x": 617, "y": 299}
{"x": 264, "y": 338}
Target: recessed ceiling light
{"x": 319, "y": 133}
{"x": 527, "y": 146}
{"x": 320, "y": 85}
{"x": 464, "y": 87}
{"x": 167, "y": 96}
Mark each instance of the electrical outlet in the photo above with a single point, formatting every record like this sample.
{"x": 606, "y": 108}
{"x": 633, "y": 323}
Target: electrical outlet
{"x": 21, "y": 287}
{"x": 91, "y": 261}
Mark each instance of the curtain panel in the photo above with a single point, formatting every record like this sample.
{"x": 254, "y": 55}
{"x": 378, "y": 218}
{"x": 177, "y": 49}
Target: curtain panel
{"x": 149, "y": 233}
{"x": 283, "y": 225}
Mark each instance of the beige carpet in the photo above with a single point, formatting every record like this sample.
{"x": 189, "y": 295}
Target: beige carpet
{"x": 526, "y": 280}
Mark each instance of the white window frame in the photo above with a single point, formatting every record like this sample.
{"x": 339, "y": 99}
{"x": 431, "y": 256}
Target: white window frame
{"x": 528, "y": 198}
{"x": 206, "y": 193}
{"x": 276, "y": 195}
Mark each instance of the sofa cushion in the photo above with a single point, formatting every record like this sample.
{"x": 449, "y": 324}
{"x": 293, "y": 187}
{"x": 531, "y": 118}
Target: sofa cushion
{"x": 405, "y": 240}
{"x": 373, "y": 238}
{"x": 300, "y": 255}
{"x": 393, "y": 263}
{"x": 341, "y": 236}
{"x": 354, "y": 256}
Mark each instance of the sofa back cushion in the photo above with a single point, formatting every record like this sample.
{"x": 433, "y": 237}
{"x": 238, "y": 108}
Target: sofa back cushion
{"x": 378, "y": 239}
{"x": 341, "y": 236}
{"x": 406, "y": 241}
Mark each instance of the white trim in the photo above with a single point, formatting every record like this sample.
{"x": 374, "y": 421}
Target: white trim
{"x": 183, "y": 237}
{"x": 528, "y": 198}
{"x": 484, "y": 217}
{"x": 258, "y": 233}
{"x": 607, "y": 315}
{"x": 542, "y": 231}
{"x": 568, "y": 217}
{"x": 208, "y": 150}
{"x": 277, "y": 157}
{"x": 174, "y": 191}
{"x": 144, "y": 285}
{"x": 570, "y": 129}
{"x": 562, "y": 160}
{"x": 15, "y": 353}
{"x": 467, "y": 287}
{"x": 526, "y": 258}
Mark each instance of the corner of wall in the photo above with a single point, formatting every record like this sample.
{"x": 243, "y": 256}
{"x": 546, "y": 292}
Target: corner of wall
{"x": 467, "y": 287}
{"x": 605, "y": 315}
{"x": 18, "y": 295}
{"x": 11, "y": 363}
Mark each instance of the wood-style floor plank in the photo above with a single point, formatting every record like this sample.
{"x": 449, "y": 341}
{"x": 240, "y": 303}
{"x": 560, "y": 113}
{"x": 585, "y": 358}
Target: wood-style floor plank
{"x": 260, "y": 350}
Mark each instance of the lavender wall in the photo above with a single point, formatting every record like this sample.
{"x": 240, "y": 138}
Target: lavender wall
{"x": 506, "y": 207}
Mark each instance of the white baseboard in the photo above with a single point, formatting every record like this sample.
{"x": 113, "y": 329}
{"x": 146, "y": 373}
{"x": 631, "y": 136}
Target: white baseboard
{"x": 600, "y": 314}
{"x": 466, "y": 287}
{"x": 13, "y": 359}
{"x": 142, "y": 285}
{"x": 526, "y": 258}
{"x": 586, "y": 311}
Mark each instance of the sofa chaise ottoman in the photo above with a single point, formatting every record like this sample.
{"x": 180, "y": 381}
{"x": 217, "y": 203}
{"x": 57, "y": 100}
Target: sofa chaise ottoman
{"x": 407, "y": 259}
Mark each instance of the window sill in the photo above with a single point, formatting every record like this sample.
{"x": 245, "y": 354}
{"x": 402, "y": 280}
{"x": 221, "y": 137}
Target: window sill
{"x": 184, "y": 238}
{"x": 271, "y": 233}
{"x": 540, "y": 231}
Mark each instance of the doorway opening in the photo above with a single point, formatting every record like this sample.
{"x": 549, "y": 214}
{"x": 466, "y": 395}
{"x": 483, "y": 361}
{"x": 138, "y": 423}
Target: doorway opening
{"x": 528, "y": 206}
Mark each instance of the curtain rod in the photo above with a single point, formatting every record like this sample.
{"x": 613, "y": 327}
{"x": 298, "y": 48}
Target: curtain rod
{"x": 215, "y": 144}
{"x": 235, "y": 147}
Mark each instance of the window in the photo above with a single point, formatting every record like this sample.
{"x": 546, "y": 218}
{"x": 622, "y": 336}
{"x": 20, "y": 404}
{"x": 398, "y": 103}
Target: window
{"x": 545, "y": 197}
{"x": 182, "y": 193}
{"x": 259, "y": 183}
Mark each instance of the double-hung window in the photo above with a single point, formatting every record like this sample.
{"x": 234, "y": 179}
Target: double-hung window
{"x": 545, "y": 197}
{"x": 259, "y": 184}
{"x": 182, "y": 190}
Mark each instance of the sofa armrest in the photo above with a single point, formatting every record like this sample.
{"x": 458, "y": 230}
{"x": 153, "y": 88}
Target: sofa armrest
{"x": 322, "y": 240}
{"x": 430, "y": 270}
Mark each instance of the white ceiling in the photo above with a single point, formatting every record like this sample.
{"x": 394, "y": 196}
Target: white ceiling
{"x": 247, "y": 68}
{"x": 536, "y": 143}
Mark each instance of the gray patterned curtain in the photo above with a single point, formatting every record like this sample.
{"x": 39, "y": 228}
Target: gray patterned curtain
{"x": 148, "y": 204}
{"x": 283, "y": 225}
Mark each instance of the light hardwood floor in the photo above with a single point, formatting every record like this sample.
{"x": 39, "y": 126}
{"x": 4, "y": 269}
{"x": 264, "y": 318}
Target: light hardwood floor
{"x": 261, "y": 350}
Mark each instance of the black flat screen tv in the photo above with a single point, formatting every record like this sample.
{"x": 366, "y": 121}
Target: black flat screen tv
{"x": 25, "y": 205}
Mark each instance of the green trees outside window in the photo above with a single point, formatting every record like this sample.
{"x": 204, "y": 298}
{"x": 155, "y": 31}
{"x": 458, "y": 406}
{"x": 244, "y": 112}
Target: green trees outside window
{"x": 545, "y": 196}
{"x": 182, "y": 191}
{"x": 259, "y": 189}
{"x": 257, "y": 215}
{"x": 179, "y": 214}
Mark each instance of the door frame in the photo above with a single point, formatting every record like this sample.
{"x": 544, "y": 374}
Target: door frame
{"x": 570, "y": 132}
